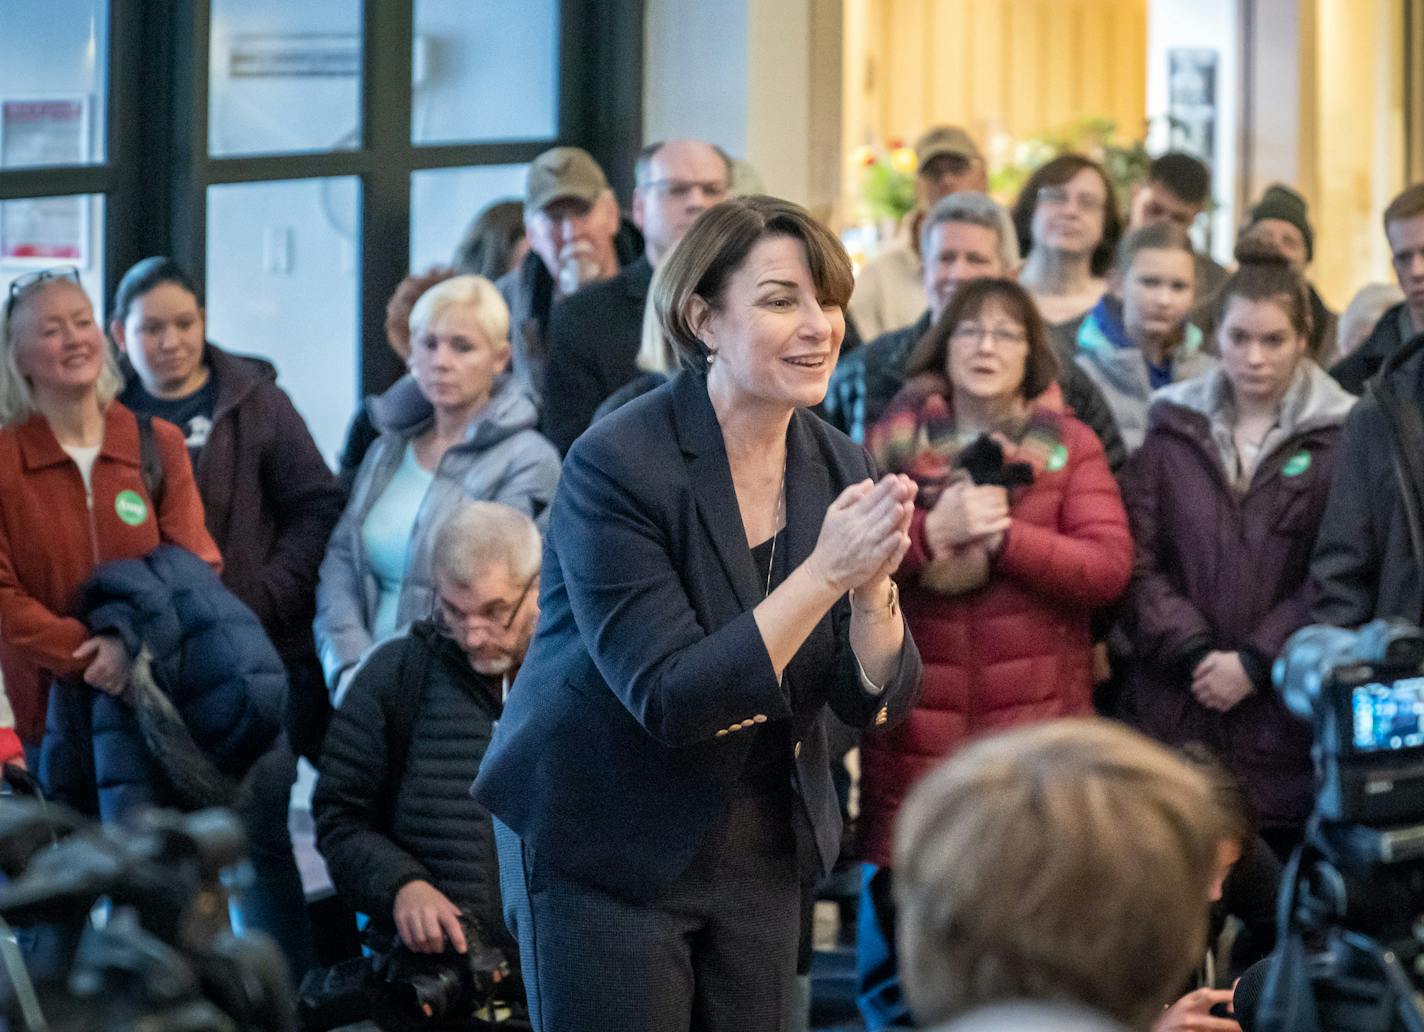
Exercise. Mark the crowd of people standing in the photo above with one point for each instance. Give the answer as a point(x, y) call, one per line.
point(574, 633)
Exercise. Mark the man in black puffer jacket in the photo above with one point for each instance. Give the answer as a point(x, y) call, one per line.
point(404, 841)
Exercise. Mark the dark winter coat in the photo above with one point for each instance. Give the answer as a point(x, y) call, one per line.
point(269, 499)
point(210, 657)
point(380, 828)
point(868, 378)
point(594, 338)
point(1369, 558)
point(1355, 369)
point(1221, 570)
point(1017, 650)
point(528, 290)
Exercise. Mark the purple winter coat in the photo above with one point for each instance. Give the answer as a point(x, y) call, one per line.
point(1221, 569)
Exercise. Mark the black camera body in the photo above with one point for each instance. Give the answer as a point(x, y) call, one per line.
point(1350, 946)
point(399, 989)
point(410, 990)
point(165, 961)
point(1364, 692)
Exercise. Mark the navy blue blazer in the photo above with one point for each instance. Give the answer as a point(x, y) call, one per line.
point(619, 743)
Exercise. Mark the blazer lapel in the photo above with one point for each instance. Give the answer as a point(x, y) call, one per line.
point(711, 477)
point(808, 490)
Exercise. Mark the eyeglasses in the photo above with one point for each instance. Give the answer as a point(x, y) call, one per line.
point(21, 284)
point(447, 618)
point(681, 189)
point(1059, 197)
point(1001, 336)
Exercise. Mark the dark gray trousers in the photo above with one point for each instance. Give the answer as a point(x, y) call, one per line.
point(714, 952)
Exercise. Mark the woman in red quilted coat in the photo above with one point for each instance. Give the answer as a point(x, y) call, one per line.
point(1019, 534)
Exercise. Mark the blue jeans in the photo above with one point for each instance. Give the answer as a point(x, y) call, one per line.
point(877, 971)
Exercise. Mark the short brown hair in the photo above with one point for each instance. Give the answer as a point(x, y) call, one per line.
point(1056, 173)
point(1263, 274)
point(714, 249)
point(1068, 861)
point(1160, 236)
point(1408, 205)
point(931, 354)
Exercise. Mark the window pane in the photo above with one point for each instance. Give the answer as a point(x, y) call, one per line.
point(486, 71)
point(444, 201)
point(282, 275)
point(284, 77)
point(52, 232)
point(53, 82)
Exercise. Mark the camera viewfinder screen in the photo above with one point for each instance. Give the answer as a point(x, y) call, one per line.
point(1388, 716)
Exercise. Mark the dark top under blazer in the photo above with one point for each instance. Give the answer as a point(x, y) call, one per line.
point(614, 755)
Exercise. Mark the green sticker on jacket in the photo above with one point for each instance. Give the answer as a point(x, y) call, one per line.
point(131, 508)
point(1057, 458)
point(1296, 464)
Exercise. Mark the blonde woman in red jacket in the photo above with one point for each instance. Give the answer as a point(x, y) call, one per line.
point(74, 497)
point(1018, 535)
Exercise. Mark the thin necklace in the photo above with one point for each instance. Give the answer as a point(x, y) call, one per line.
point(776, 528)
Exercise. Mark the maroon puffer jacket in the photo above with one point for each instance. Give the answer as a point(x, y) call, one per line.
point(1222, 570)
point(1019, 649)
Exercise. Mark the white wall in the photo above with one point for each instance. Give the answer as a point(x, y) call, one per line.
point(1213, 25)
point(746, 75)
point(695, 71)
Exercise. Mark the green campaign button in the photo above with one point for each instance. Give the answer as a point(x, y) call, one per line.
point(1296, 464)
point(1057, 458)
point(131, 508)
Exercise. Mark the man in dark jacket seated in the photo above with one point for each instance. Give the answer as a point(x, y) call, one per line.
point(966, 236)
point(404, 842)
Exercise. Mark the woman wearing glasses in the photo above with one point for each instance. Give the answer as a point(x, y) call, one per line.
point(1018, 535)
point(458, 431)
point(1068, 224)
point(77, 470)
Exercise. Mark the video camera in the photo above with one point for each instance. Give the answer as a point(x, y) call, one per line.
point(164, 961)
point(1350, 949)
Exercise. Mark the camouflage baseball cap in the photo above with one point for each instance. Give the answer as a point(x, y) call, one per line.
point(945, 139)
point(563, 172)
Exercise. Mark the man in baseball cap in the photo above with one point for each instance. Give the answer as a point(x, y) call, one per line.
point(571, 219)
point(889, 292)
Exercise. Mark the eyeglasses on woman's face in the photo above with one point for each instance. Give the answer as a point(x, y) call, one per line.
point(1062, 197)
point(1001, 335)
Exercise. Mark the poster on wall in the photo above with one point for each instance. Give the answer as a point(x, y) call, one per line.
point(35, 132)
point(1191, 100)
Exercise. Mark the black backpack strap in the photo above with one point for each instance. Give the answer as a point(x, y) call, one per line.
point(400, 703)
point(150, 463)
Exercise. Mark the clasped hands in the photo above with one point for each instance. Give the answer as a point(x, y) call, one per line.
point(865, 534)
point(968, 516)
point(1219, 681)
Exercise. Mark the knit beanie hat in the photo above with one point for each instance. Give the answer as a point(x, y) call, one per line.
point(1281, 202)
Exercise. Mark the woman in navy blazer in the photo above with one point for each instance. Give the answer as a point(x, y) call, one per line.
point(717, 573)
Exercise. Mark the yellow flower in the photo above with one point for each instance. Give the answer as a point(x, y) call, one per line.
point(903, 160)
point(863, 156)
